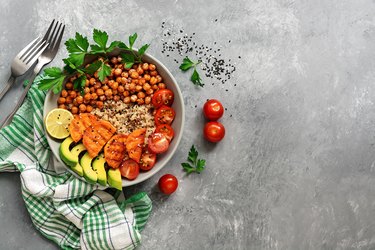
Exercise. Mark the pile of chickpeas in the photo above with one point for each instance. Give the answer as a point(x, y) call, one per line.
point(135, 85)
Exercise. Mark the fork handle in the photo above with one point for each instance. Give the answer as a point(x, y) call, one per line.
point(7, 86)
point(9, 118)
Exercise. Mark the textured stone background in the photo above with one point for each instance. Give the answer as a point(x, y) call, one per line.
point(296, 168)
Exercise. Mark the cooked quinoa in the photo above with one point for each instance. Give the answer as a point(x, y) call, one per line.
point(127, 117)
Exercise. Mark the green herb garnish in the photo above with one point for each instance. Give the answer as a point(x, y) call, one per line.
point(188, 64)
point(194, 164)
point(78, 48)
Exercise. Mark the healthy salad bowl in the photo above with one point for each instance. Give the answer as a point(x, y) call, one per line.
point(114, 116)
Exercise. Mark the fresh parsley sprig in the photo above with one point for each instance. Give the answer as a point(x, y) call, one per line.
point(194, 164)
point(188, 64)
point(78, 48)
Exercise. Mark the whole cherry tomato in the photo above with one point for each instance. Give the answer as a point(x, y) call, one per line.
point(168, 184)
point(213, 110)
point(214, 131)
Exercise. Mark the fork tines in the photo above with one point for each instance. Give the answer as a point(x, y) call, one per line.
point(54, 33)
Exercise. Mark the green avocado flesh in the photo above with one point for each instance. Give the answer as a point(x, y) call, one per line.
point(114, 178)
point(66, 155)
point(89, 174)
point(76, 151)
point(98, 166)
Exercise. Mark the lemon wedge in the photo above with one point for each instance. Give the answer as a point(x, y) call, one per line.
point(57, 123)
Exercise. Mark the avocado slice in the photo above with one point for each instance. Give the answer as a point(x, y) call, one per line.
point(89, 174)
point(65, 154)
point(76, 151)
point(114, 178)
point(98, 166)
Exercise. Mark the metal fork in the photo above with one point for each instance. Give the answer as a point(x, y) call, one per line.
point(23, 61)
point(53, 37)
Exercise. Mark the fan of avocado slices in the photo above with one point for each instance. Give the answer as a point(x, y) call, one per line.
point(92, 169)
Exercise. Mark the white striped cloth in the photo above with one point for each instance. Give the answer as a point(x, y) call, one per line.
point(66, 210)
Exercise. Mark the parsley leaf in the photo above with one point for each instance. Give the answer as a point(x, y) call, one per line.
point(113, 45)
point(195, 77)
point(54, 79)
point(77, 49)
point(195, 164)
point(186, 64)
point(104, 71)
point(80, 83)
point(93, 67)
point(143, 49)
point(101, 38)
point(132, 39)
point(128, 60)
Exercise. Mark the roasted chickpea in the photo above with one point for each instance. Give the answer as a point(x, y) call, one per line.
point(115, 85)
point(69, 85)
point(94, 96)
point(140, 71)
point(126, 93)
point(108, 92)
point(74, 110)
point(73, 94)
point(99, 92)
point(121, 89)
point(82, 108)
point(92, 89)
point(87, 97)
point(105, 87)
point(158, 78)
point(138, 88)
point(141, 95)
point(79, 99)
point(154, 73)
point(62, 106)
point(102, 98)
point(133, 98)
point(153, 80)
point(155, 87)
point(99, 104)
point(89, 108)
point(64, 93)
point(151, 66)
point(116, 98)
point(87, 83)
point(140, 101)
point(118, 79)
point(134, 75)
point(93, 102)
point(150, 91)
point(97, 85)
point(114, 60)
point(127, 99)
point(147, 100)
point(131, 86)
point(145, 66)
point(68, 100)
point(61, 100)
point(118, 72)
point(146, 86)
point(125, 74)
point(86, 90)
point(124, 80)
point(92, 81)
point(147, 77)
point(162, 85)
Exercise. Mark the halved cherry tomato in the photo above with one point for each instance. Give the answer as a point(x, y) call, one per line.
point(162, 97)
point(168, 184)
point(213, 110)
point(214, 131)
point(158, 143)
point(164, 115)
point(147, 161)
point(166, 130)
point(129, 169)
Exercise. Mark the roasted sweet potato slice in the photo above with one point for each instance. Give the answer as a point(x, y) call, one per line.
point(79, 124)
point(135, 143)
point(115, 150)
point(96, 136)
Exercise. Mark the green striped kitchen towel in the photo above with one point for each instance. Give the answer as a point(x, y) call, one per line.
point(66, 210)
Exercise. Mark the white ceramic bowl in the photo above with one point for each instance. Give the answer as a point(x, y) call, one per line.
point(178, 123)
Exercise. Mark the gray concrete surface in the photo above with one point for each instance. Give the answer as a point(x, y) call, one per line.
point(296, 168)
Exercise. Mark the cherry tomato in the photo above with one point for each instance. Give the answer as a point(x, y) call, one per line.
point(129, 169)
point(213, 110)
point(162, 97)
point(214, 131)
point(166, 130)
point(157, 143)
point(168, 184)
point(147, 161)
point(164, 115)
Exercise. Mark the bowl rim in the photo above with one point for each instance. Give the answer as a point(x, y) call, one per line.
point(126, 183)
